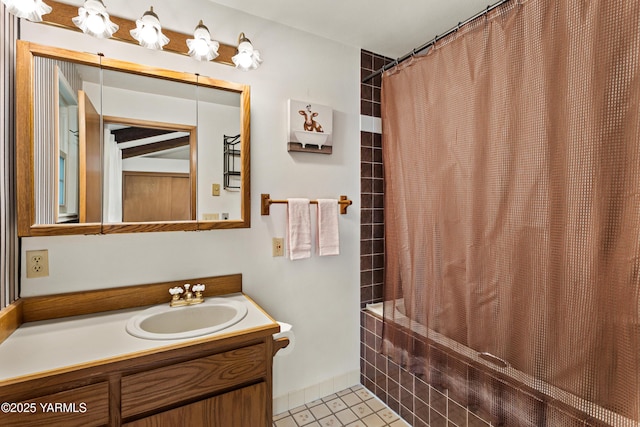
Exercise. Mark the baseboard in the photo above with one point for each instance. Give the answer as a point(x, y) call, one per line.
point(302, 397)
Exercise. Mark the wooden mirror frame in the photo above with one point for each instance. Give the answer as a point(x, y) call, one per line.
point(25, 55)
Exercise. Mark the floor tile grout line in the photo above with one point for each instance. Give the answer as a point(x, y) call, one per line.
point(362, 396)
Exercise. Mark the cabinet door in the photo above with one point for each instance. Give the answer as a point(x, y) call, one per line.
point(151, 196)
point(245, 407)
point(83, 407)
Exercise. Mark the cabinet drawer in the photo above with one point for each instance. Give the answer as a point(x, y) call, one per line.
point(246, 407)
point(158, 388)
point(83, 406)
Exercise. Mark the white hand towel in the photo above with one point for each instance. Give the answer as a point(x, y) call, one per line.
point(298, 229)
point(328, 233)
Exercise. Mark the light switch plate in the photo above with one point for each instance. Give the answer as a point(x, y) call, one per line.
point(215, 189)
point(277, 246)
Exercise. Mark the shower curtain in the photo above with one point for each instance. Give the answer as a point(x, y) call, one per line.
point(512, 196)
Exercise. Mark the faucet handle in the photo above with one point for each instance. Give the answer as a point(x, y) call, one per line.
point(176, 291)
point(198, 288)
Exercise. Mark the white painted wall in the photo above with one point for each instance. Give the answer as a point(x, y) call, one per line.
point(319, 296)
point(144, 106)
point(214, 122)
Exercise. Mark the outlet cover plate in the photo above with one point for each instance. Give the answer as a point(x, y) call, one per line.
point(37, 263)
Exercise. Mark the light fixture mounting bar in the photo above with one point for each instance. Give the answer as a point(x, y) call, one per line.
point(62, 15)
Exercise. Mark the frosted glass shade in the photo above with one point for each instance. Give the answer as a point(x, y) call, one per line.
point(148, 31)
point(28, 9)
point(201, 47)
point(94, 20)
point(247, 57)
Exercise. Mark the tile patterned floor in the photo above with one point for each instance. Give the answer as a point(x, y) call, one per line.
point(353, 407)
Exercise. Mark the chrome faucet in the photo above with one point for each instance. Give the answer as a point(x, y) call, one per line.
point(192, 295)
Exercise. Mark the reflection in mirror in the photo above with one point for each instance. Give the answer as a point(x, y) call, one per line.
point(147, 171)
point(218, 115)
point(149, 149)
point(66, 143)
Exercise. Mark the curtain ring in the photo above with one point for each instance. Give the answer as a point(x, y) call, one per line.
point(411, 60)
point(392, 67)
point(433, 42)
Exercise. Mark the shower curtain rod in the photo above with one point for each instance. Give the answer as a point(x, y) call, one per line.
point(432, 42)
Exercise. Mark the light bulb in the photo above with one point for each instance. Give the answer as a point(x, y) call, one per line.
point(95, 24)
point(149, 34)
point(244, 59)
point(200, 47)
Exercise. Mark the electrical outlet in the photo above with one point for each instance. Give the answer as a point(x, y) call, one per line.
point(37, 263)
point(210, 217)
point(277, 246)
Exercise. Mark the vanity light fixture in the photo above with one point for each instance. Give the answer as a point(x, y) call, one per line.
point(148, 31)
point(201, 47)
point(94, 20)
point(247, 57)
point(29, 9)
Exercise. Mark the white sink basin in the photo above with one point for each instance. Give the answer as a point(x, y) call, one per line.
point(167, 323)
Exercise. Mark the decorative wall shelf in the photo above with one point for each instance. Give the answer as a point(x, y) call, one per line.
point(231, 161)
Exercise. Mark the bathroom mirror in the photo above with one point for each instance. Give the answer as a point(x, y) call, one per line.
point(107, 146)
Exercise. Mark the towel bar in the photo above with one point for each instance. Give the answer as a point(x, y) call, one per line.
point(344, 203)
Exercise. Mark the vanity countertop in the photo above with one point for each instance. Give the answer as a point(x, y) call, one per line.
point(49, 346)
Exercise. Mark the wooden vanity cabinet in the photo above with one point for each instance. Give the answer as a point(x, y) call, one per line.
point(218, 384)
point(217, 381)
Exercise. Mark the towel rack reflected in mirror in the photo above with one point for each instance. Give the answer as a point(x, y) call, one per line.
point(266, 203)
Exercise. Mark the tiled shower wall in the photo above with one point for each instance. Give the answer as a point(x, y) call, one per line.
point(371, 187)
point(479, 398)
